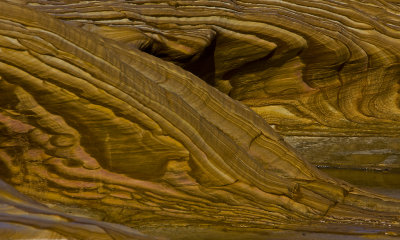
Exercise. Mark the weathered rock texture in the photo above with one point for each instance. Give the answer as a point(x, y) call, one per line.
point(22, 218)
point(310, 68)
point(99, 124)
point(373, 153)
point(307, 67)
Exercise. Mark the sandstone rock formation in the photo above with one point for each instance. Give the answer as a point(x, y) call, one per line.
point(22, 218)
point(308, 67)
point(321, 70)
point(97, 123)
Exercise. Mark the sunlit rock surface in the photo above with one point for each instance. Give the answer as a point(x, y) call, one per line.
point(307, 67)
point(310, 68)
point(91, 121)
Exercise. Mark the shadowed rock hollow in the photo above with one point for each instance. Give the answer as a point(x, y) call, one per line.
point(90, 120)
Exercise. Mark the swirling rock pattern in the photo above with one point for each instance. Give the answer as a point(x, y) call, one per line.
point(307, 67)
point(314, 69)
point(98, 123)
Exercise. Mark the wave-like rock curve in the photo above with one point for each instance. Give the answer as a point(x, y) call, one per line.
point(93, 122)
point(308, 67)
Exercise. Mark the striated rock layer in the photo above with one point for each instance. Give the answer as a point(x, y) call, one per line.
point(96, 123)
point(308, 67)
point(22, 218)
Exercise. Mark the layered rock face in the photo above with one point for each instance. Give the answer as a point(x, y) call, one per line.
point(310, 68)
point(90, 119)
point(23, 218)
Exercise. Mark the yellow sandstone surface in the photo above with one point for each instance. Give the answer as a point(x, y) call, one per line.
point(128, 110)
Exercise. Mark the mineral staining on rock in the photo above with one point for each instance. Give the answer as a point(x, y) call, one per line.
point(308, 67)
point(316, 69)
point(88, 119)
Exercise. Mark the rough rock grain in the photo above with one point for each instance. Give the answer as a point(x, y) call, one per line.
point(98, 123)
